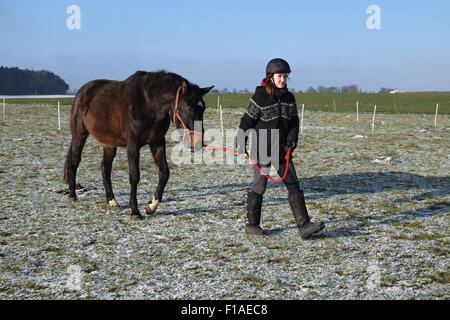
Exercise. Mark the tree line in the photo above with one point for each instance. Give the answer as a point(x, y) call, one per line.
point(348, 88)
point(17, 81)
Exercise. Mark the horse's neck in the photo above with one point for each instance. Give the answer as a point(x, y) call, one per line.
point(177, 94)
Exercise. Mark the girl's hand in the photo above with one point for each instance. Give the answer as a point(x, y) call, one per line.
point(290, 144)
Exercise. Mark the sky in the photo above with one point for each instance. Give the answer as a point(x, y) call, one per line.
point(228, 43)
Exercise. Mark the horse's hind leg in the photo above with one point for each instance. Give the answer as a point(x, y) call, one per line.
point(159, 155)
point(73, 161)
point(106, 166)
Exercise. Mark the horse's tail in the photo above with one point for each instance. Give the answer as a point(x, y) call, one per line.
point(68, 163)
point(78, 130)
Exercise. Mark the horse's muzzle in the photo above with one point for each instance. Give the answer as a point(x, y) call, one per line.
point(194, 140)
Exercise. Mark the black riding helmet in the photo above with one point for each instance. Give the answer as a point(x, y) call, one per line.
point(277, 65)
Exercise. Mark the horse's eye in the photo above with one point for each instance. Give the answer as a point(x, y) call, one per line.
point(201, 105)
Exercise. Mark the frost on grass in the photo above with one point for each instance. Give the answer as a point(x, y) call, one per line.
point(386, 235)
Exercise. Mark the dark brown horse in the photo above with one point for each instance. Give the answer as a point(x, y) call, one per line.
point(130, 114)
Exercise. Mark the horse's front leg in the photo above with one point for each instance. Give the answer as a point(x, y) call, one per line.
point(159, 155)
point(133, 167)
point(106, 166)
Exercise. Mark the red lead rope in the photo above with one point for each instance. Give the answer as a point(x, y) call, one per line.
point(177, 115)
point(254, 163)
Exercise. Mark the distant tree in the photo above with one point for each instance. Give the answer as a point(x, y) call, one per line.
point(311, 89)
point(18, 81)
point(351, 88)
point(215, 91)
point(327, 89)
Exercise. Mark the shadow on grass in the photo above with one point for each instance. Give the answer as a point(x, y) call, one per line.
point(374, 182)
point(356, 225)
point(328, 186)
point(323, 187)
point(347, 183)
point(319, 188)
point(370, 221)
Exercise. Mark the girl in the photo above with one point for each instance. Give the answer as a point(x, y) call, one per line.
point(273, 107)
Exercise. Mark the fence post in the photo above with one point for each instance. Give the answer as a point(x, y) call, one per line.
point(221, 120)
point(357, 111)
point(301, 123)
point(373, 120)
point(435, 117)
point(59, 118)
point(218, 101)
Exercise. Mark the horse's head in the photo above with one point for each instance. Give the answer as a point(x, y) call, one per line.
point(188, 113)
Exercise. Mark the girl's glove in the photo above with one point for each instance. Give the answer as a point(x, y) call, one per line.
point(290, 144)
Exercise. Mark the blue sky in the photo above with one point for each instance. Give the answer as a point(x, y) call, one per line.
point(228, 43)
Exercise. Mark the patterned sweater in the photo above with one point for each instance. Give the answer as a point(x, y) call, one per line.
point(278, 112)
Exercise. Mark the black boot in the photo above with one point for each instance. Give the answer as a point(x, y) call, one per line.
point(254, 203)
point(305, 227)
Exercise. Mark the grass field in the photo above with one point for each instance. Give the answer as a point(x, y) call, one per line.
point(387, 231)
point(411, 102)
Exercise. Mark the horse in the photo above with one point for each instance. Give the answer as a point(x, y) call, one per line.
point(130, 114)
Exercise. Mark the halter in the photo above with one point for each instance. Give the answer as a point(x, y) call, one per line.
point(177, 115)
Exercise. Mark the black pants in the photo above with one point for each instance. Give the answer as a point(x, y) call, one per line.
point(290, 181)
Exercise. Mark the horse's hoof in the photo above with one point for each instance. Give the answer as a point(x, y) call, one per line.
point(150, 208)
point(113, 205)
point(72, 198)
point(136, 217)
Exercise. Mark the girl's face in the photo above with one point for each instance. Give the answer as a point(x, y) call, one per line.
point(280, 79)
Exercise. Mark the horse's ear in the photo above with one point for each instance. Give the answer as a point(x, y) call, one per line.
point(206, 90)
point(184, 87)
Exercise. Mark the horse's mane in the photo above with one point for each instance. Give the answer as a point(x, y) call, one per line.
point(157, 82)
point(157, 76)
